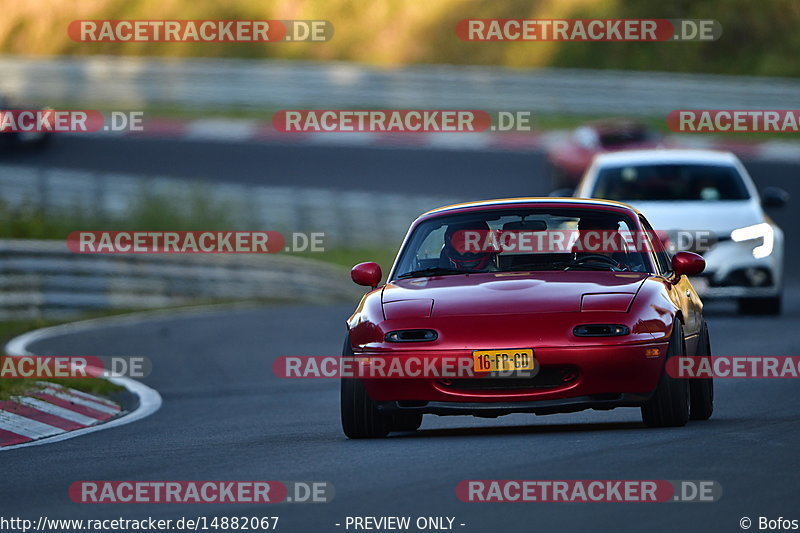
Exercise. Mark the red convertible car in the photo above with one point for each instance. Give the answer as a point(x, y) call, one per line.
point(538, 329)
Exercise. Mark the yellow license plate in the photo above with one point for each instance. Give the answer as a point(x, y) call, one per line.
point(502, 360)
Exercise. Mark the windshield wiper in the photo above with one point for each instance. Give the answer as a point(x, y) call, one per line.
point(592, 266)
point(433, 271)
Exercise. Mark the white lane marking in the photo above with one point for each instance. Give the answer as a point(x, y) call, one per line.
point(345, 138)
point(222, 130)
point(60, 412)
point(459, 140)
point(26, 427)
point(80, 401)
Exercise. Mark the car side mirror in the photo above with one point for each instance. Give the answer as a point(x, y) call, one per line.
point(367, 274)
point(687, 263)
point(772, 197)
point(562, 193)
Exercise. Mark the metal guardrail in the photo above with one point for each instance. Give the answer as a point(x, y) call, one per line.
point(353, 218)
point(242, 84)
point(45, 279)
point(42, 278)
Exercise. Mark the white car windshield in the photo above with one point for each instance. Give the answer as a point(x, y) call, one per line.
point(670, 182)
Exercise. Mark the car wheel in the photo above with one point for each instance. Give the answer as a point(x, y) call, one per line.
point(760, 306)
point(669, 406)
point(701, 391)
point(360, 416)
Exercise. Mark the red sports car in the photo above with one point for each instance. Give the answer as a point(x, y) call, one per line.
point(547, 328)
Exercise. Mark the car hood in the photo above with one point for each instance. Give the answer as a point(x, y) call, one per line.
point(720, 217)
point(503, 293)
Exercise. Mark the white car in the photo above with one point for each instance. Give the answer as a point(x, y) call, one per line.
point(707, 203)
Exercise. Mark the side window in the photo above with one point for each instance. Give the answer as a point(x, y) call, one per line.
point(431, 247)
point(632, 258)
point(430, 250)
point(660, 253)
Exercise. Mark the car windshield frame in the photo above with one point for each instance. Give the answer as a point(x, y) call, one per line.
point(496, 212)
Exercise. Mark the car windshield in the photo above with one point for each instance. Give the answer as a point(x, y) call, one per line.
point(515, 240)
point(670, 182)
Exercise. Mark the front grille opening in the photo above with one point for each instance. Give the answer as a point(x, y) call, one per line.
point(549, 377)
point(748, 277)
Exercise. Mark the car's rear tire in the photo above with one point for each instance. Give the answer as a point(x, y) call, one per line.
point(760, 306)
point(361, 418)
point(701, 391)
point(669, 405)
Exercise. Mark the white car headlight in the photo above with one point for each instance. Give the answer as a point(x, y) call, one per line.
point(761, 231)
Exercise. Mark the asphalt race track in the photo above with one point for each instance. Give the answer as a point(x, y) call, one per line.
point(226, 416)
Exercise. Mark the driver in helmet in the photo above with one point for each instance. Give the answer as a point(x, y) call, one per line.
point(600, 236)
point(456, 255)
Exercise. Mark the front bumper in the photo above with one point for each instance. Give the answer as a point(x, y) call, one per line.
point(571, 378)
point(600, 402)
point(732, 272)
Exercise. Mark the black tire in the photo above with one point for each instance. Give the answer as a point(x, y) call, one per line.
point(360, 416)
point(701, 391)
point(760, 306)
point(669, 406)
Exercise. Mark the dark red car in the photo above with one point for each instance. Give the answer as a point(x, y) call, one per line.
point(542, 332)
point(570, 159)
